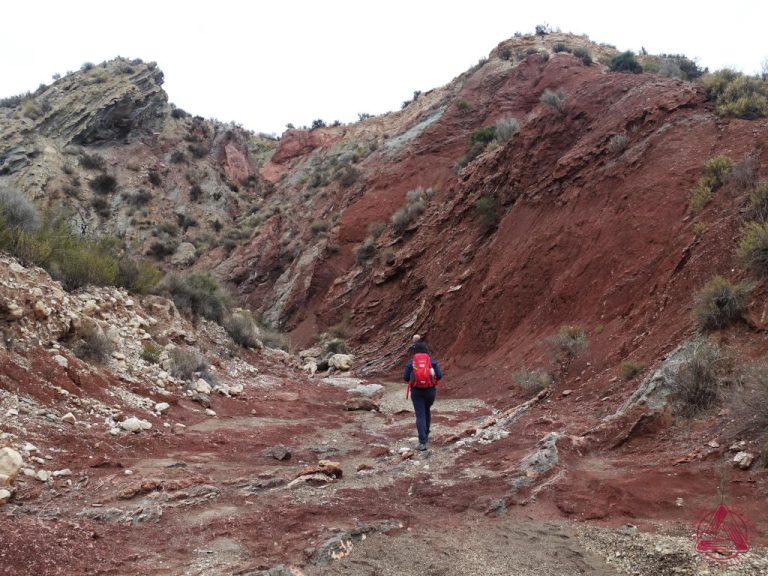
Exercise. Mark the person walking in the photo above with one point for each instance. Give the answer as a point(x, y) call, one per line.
point(422, 374)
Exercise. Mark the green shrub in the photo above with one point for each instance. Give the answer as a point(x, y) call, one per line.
point(532, 381)
point(199, 295)
point(584, 55)
point(335, 346)
point(347, 175)
point(154, 178)
point(506, 128)
point(758, 200)
point(560, 47)
point(630, 369)
point(365, 251)
point(140, 198)
point(682, 65)
point(483, 135)
point(17, 212)
point(103, 184)
point(31, 109)
point(77, 261)
point(737, 95)
point(150, 352)
point(716, 172)
point(162, 248)
point(462, 105)
point(753, 247)
point(720, 303)
point(625, 62)
point(698, 381)
point(415, 204)
point(485, 211)
point(198, 150)
point(554, 100)
point(243, 329)
point(137, 276)
point(178, 157)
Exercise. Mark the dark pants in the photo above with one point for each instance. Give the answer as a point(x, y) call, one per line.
point(422, 399)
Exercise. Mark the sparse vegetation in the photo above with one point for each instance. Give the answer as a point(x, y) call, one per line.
point(318, 227)
point(462, 105)
point(698, 381)
point(415, 204)
point(17, 212)
point(749, 402)
point(154, 177)
point(742, 173)
point(506, 128)
point(150, 352)
point(187, 364)
point(568, 343)
point(630, 369)
point(625, 62)
point(335, 346)
point(716, 172)
point(720, 303)
point(532, 381)
point(737, 95)
point(758, 201)
point(138, 276)
point(365, 251)
point(198, 150)
point(555, 100)
point(198, 294)
point(178, 157)
point(91, 161)
point(485, 211)
point(243, 328)
point(93, 345)
point(478, 142)
point(753, 247)
point(680, 66)
point(618, 143)
point(103, 184)
point(584, 55)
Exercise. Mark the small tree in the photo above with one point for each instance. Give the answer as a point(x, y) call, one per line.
point(720, 302)
point(625, 62)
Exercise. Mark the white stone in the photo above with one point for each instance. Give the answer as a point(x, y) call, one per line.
point(163, 375)
point(28, 447)
point(236, 389)
point(5, 495)
point(69, 418)
point(61, 361)
point(133, 424)
point(161, 407)
point(10, 463)
point(128, 472)
point(28, 472)
point(114, 431)
point(12, 412)
point(743, 460)
point(340, 361)
point(202, 386)
point(62, 472)
point(128, 303)
point(43, 475)
point(118, 355)
point(210, 412)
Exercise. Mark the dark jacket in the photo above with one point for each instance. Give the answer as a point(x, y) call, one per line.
point(409, 370)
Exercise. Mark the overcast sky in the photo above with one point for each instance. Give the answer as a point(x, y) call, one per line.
point(265, 64)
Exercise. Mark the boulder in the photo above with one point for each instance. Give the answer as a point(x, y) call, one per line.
point(361, 403)
point(202, 387)
point(341, 362)
point(368, 390)
point(278, 452)
point(744, 460)
point(5, 495)
point(69, 418)
point(135, 425)
point(161, 407)
point(10, 464)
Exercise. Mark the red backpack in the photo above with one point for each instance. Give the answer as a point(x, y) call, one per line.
point(423, 375)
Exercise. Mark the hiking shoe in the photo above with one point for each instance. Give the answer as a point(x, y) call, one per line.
point(421, 446)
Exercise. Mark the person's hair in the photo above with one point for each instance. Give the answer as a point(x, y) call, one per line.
point(419, 347)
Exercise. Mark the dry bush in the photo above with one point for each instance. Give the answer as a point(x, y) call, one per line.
point(758, 202)
point(749, 401)
point(753, 247)
point(532, 381)
point(720, 303)
point(243, 329)
point(555, 100)
point(187, 364)
point(743, 173)
point(93, 345)
point(698, 382)
point(150, 352)
point(630, 369)
point(506, 128)
point(618, 143)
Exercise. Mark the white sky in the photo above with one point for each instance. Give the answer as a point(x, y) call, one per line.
point(264, 64)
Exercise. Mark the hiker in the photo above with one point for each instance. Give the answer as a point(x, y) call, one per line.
point(422, 374)
point(416, 338)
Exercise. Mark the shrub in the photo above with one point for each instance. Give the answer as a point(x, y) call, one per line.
point(630, 369)
point(318, 123)
point(584, 55)
point(76, 261)
point(318, 227)
point(186, 364)
point(753, 247)
point(375, 229)
point(719, 303)
point(532, 381)
point(483, 135)
point(199, 295)
point(758, 200)
point(347, 175)
point(554, 100)
point(178, 113)
point(749, 402)
point(742, 173)
point(162, 248)
point(485, 211)
point(415, 204)
point(31, 109)
point(93, 345)
point(101, 206)
point(737, 95)
point(17, 212)
point(625, 62)
point(273, 339)
point(365, 251)
point(682, 67)
point(560, 47)
point(198, 150)
point(335, 346)
point(697, 385)
point(506, 128)
point(178, 157)
point(243, 329)
point(137, 276)
point(154, 178)
point(150, 352)
point(91, 161)
point(569, 341)
point(716, 172)
point(14, 101)
point(103, 184)
point(140, 198)
point(618, 143)
point(462, 105)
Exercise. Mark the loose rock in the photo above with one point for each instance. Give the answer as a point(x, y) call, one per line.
point(135, 425)
point(10, 463)
point(69, 418)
